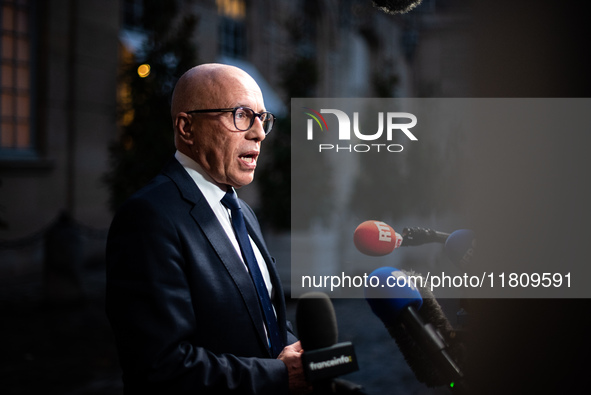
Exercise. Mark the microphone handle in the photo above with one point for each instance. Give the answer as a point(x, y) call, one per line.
point(432, 343)
point(440, 236)
point(418, 236)
point(322, 387)
point(345, 387)
point(337, 387)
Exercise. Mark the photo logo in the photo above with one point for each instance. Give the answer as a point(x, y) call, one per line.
point(392, 121)
point(315, 117)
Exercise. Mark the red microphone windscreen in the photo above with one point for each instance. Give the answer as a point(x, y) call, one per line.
point(376, 238)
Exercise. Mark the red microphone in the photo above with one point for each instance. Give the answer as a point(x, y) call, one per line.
point(376, 238)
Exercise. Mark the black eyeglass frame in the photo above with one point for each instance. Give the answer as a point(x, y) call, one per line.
point(233, 111)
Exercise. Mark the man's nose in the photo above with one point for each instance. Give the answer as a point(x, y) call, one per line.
point(256, 131)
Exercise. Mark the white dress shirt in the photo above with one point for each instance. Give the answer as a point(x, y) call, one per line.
point(214, 194)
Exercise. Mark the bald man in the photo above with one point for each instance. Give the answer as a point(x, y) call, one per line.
point(180, 298)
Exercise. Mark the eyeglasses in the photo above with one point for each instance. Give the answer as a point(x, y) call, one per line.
point(244, 117)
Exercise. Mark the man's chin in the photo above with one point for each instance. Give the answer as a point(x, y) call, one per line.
point(242, 181)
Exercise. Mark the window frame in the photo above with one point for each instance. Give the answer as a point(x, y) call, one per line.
point(32, 34)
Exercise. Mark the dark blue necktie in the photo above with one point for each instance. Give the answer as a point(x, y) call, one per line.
point(231, 201)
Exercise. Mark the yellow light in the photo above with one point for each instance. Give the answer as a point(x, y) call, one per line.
point(144, 70)
point(235, 9)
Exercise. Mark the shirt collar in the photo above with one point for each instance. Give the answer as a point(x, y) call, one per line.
point(212, 192)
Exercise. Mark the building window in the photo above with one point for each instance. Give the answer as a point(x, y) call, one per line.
point(232, 27)
point(16, 134)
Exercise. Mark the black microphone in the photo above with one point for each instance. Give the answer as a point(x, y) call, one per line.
point(419, 327)
point(396, 6)
point(418, 236)
point(323, 358)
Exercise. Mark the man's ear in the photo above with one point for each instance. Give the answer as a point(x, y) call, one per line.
point(182, 124)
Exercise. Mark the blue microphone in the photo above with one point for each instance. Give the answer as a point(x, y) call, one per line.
point(396, 300)
point(460, 246)
point(387, 300)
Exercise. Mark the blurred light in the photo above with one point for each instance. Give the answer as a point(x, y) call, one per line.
point(144, 70)
point(127, 143)
point(127, 117)
point(235, 9)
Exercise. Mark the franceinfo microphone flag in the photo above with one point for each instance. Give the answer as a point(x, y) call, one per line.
point(323, 358)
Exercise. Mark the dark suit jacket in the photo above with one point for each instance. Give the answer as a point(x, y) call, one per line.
point(182, 306)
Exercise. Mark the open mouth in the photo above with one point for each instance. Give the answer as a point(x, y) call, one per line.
point(249, 158)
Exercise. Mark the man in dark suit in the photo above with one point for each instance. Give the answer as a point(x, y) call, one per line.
point(185, 313)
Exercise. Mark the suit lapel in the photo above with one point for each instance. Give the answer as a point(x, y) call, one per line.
point(210, 226)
